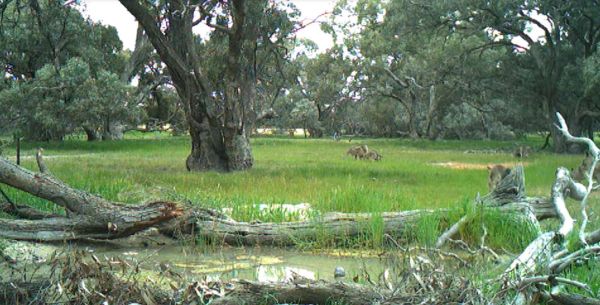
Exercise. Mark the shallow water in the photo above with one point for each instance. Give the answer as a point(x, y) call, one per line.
point(258, 264)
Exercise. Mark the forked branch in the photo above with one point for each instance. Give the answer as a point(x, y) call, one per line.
point(595, 153)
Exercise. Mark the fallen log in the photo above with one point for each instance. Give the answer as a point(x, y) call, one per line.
point(547, 253)
point(308, 292)
point(573, 299)
point(340, 225)
point(88, 215)
point(24, 211)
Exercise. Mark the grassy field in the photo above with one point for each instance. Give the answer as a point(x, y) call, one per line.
point(412, 175)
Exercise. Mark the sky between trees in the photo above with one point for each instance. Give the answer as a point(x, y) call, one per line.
point(111, 12)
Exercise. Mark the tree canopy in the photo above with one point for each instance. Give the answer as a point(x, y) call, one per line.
point(467, 69)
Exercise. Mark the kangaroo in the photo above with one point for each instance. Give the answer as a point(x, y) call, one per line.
point(358, 152)
point(522, 151)
point(373, 155)
point(497, 173)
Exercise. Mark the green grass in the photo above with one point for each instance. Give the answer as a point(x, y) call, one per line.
point(145, 167)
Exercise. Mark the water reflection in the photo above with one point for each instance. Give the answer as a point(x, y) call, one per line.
point(257, 264)
point(279, 273)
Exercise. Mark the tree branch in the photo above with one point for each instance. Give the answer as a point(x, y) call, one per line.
point(395, 78)
point(547, 31)
point(157, 38)
point(595, 153)
point(40, 162)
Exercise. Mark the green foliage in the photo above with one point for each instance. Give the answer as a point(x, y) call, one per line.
point(425, 231)
point(499, 230)
point(62, 72)
point(586, 272)
point(411, 68)
point(56, 103)
point(549, 45)
point(3, 245)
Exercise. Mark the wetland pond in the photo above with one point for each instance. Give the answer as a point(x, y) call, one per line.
point(263, 264)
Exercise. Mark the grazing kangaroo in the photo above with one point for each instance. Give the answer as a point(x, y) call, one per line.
point(522, 151)
point(373, 155)
point(497, 173)
point(358, 152)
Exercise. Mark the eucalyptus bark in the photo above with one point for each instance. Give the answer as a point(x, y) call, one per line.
point(217, 117)
point(88, 215)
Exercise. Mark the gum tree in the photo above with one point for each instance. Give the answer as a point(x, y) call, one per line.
point(48, 51)
point(218, 114)
point(552, 45)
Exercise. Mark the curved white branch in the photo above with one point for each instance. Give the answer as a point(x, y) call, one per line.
point(595, 153)
point(560, 187)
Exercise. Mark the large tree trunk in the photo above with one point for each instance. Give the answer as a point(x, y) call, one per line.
point(413, 124)
point(112, 130)
point(217, 117)
point(92, 134)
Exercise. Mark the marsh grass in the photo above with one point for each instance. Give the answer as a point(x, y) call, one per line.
point(294, 170)
point(501, 232)
point(586, 272)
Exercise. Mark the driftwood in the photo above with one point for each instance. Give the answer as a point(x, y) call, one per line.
point(546, 255)
point(87, 279)
point(88, 216)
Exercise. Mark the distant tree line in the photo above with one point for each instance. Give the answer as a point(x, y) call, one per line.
point(466, 69)
point(452, 69)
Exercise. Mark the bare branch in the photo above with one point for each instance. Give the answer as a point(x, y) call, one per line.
point(547, 31)
point(312, 21)
point(595, 153)
point(207, 17)
point(553, 281)
point(400, 82)
point(560, 264)
point(450, 232)
point(40, 162)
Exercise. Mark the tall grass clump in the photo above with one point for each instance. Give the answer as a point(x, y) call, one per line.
point(588, 272)
point(501, 230)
